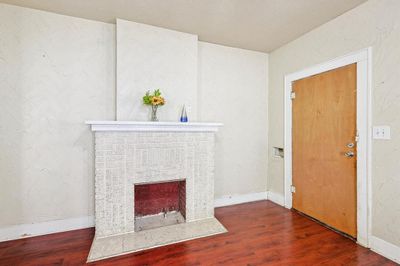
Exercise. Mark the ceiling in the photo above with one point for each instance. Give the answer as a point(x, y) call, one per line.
point(261, 25)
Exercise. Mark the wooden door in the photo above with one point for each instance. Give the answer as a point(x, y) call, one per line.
point(323, 131)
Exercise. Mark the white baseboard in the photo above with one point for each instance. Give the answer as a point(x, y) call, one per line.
point(237, 199)
point(385, 249)
point(276, 198)
point(44, 228)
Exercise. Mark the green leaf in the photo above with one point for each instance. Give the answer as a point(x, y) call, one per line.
point(157, 92)
point(147, 98)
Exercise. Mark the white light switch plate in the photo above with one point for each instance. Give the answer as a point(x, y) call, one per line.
point(381, 132)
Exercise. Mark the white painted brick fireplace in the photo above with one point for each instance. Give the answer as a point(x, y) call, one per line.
point(131, 153)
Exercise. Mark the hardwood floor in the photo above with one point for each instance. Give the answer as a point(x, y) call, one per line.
point(260, 233)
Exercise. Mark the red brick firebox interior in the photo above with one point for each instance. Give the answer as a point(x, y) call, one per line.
point(160, 197)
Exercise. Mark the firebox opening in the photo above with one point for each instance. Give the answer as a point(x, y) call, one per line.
point(159, 204)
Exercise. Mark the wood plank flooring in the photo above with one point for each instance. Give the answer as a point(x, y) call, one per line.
point(260, 233)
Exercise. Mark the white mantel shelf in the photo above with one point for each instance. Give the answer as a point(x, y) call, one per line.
point(153, 126)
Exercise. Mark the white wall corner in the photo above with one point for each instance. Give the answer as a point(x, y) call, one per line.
point(44, 228)
point(276, 198)
point(385, 248)
point(238, 199)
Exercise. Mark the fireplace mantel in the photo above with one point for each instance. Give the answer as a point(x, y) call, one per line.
point(142, 126)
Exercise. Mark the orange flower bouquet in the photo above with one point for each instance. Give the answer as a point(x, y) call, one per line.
point(154, 100)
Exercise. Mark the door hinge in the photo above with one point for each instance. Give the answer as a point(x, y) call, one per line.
point(293, 189)
point(292, 95)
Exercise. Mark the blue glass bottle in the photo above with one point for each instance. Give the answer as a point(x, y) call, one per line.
point(184, 117)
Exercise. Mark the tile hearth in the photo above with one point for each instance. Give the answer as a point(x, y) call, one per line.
point(154, 185)
point(117, 245)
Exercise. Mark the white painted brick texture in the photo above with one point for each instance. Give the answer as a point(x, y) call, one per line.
point(124, 159)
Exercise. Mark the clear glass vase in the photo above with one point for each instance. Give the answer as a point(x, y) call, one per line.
point(154, 113)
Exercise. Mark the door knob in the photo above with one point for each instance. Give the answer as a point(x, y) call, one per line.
point(349, 154)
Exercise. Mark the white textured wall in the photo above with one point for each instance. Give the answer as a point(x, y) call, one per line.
point(58, 71)
point(377, 24)
point(55, 73)
point(149, 58)
point(233, 90)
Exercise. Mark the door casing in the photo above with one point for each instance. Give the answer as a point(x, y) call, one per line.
point(363, 59)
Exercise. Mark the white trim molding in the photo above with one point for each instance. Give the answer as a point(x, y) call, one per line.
point(385, 249)
point(276, 198)
point(44, 228)
point(153, 126)
point(37, 229)
point(238, 199)
point(363, 59)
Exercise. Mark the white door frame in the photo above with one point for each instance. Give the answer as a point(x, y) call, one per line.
point(363, 59)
